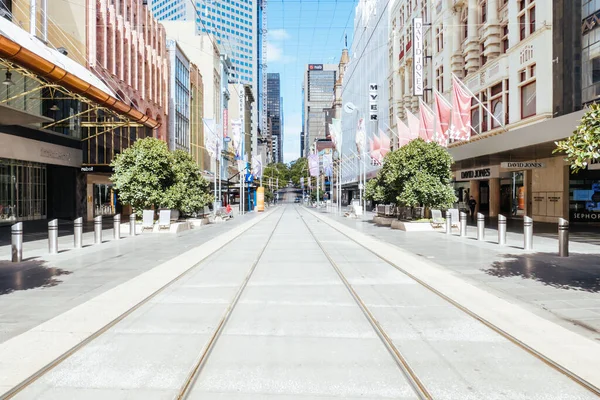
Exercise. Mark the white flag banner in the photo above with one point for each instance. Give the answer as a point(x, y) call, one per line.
point(236, 136)
point(211, 137)
point(257, 169)
point(361, 137)
point(336, 124)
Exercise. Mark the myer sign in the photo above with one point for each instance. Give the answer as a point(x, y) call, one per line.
point(418, 56)
point(373, 101)
point(522, 165)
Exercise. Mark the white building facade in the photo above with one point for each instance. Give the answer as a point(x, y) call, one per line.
point(519, 59)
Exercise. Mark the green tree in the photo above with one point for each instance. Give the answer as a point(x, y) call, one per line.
point(417, 174)
point(298, 168)
point(584, 144)
point(190, 192)
point(143, 174)
point(274, 171)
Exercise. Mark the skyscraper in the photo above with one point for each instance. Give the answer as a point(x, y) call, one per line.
point(233, 23)
point(318, 89)
point(274, 114)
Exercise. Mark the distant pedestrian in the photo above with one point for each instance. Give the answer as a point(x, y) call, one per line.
point(472, 205)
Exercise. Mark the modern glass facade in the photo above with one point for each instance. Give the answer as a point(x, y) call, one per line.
point(274, 114)
point(170, 10)
point(22, 191)
point(104, 136)
point(591, 51)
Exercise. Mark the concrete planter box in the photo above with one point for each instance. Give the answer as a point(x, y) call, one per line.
point(176, 227)
point(412, 226)
point(383, 221)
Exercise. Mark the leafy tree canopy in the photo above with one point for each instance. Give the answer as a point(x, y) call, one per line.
point(417, 174)
point(584, 144)
point(276, 170)
point(298, 169)
point(147, 175)
point(143, 173)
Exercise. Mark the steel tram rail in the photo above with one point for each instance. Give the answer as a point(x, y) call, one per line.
point(549, 362)
point(188, 384)
point(33, 378)
point(412, 378)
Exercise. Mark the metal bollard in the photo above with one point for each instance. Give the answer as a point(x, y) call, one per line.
point(117, 226)
point(480, 226)
point(463, 224)
point(78, 233)
point(563, 237)
point(98, 229)
point(448, 223)
point(53, 236)
point(528, 233)
point(501, 230)
point(132, 224)
point(16, 238)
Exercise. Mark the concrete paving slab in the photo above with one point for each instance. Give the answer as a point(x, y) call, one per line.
point(296, 366)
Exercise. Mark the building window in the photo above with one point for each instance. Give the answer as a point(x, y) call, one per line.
point(439, 80)
point(482, 56)
point(439, 38)
point(504, 45)
point(528, 91)
point(528, 98)
point(484, 12)
point(526, 18)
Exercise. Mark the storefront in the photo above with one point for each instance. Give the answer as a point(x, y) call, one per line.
point(22, 191)
point(102, 196)
point(584, 196)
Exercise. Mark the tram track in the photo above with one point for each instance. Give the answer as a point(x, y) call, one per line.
point(413, 380)
point(417, 383)
point(196, 370)
point(57, 361)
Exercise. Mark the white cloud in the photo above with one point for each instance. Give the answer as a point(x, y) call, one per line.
point(278, 34)
point(275, 54)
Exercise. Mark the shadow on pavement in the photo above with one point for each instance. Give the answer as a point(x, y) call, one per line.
point(577, 272)
point(28, 274)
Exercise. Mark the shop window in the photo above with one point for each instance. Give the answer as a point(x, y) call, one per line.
point(528, 100)
point(105, 200)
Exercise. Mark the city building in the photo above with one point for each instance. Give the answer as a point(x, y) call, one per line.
point(197, 149)
point(179, 98)
point(233, 25)
point(521, 60)
point(364, 84)
point(52, 107)
point(275, 114)
point(318, 92)
point(126, 49)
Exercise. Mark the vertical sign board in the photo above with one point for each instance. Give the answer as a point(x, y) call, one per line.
point(418, 57)
point(373, 97)
point(260, 199)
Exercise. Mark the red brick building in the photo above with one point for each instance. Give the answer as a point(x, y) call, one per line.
point(126, 48)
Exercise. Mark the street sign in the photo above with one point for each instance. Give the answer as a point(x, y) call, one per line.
point(249, 178)
point(227, 139)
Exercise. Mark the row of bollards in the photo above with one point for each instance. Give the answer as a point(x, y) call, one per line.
point(17, 234)
point(563, 231)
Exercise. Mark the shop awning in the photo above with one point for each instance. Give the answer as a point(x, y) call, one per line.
point(12, 116)
point(25, 50)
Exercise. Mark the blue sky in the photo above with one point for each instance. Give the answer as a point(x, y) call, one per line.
point(304, 32)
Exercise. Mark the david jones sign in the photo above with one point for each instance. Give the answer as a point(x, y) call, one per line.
point(522, 165)
point(476, 174)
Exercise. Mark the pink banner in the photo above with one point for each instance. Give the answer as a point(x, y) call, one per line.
point(443, 112)
point(313, 164)
point(385, 144)
point(461, 112)
point(413, 124)
point(426, 122)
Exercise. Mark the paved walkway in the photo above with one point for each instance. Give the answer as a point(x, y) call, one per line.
point(563, 290)
point(297, 333)
point(44, 286)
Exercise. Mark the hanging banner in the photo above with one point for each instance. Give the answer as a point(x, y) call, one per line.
point(225, 123)
point(361, 136)
point(257, 166)
point(236, 136)
point(417, 56)
point(328, 164)
point(210, 137)
point(302, 182)
point(313, 164)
